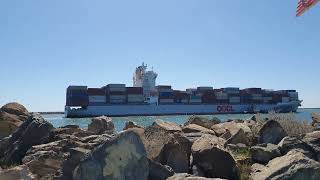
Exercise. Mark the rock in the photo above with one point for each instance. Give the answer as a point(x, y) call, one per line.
point(19, 172)
point(234, 132)
point(123, 157)
point(237, 147)
point(212, 159)
point(45, 160)
point(35, 130)
point(184, 176)
point(173, 155)
point(130, 124)
point(192, 137)
point(4, 143)
point(192, 128)
point(294, 165)
point(289, 143)
point(12, 116)
point(158, 171)
point(76, 155)
point(313, 140)
point(202, 121)
point(168, 126)
point(58, 159)
point(15, 108)
point(102, 125)
point(271, 132)
point(264, 153)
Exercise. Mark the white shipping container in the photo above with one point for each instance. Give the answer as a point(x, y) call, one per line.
point(135, 99)
point(114, 101)
point(97, 99)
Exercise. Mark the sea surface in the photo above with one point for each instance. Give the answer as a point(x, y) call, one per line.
point(58, 120)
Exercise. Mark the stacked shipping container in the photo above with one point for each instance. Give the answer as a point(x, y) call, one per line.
point(97, 96)
point(77, 96)
point(165, 95)
point(120, 94)
point(135, 95)
point(116, 93)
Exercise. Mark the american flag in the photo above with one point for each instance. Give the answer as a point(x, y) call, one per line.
point(304, 5)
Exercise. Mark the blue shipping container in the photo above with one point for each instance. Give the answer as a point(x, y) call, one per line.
point(165, 94)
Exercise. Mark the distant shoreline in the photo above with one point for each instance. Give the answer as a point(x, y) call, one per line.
point(51, 112)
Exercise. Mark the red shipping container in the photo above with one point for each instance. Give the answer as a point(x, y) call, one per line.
point(96, 92)
point(134, 90)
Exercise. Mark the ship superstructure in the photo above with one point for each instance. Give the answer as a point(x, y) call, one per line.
point(146, 98)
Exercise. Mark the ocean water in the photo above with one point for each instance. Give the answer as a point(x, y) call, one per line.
point(58, 120)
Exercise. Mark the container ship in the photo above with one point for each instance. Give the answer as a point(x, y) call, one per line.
point(145, 98)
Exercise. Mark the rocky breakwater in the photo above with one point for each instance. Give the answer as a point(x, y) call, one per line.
point(199, 149)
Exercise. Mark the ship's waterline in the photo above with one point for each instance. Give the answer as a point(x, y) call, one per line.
point(59, 120)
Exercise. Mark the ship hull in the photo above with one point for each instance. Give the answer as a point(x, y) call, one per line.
point(174, 109)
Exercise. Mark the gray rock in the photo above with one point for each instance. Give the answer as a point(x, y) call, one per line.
point(264, 153)
point(122, 158)
point(212, 159)
point(271, 132)
point(167, 126)
point(237, 147)
point(184, 176)
point(102, 125)
point(158, 171)
point(19, 172)
point(194, 128)
point(202, 121)
point(173, 155)
point(234, 132)
point(289, 143)
point(294, 165)
point(313, 140)
point(35, 130)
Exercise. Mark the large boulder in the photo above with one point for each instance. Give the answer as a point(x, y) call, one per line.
point(59, 158)
point(173, 155)
point(166, 148)
point(35, 130)
point(167, 126)
point(123, 157)
point(12, 116)
point(263, 153)
point(271, 132)
point(289, 143)
point(158, 171)
point(234, 132)
point(210, 156)
point(194, 128)
point(202, 121)
point(19, 172)
point(294, 165)
point(102, 125)
point(313, 140)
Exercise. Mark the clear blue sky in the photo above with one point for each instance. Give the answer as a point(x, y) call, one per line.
point(47, 45)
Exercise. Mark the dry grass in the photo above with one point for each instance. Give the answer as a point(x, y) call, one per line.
point(288, 121)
